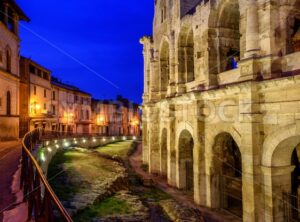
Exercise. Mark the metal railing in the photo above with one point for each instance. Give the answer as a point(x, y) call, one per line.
point(43, 204)
point(41, 199)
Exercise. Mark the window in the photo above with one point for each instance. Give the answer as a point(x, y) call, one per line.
point(8, 103)
point(8, 61)
point(34, 90)
point(45, 93)
point(87, 115)
point(53, 95)
point(45, 106)
point(81, 116)
point(32, 69)
point(53, 109)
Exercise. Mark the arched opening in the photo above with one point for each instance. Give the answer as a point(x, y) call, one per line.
point(186, 162)
point(186, 71)
point(164, 68)
point(164, 153)
point(8, 103)
point(229, 36)
point(8, 60)
point(286, 180)
point(293, 29)
point(227, 175)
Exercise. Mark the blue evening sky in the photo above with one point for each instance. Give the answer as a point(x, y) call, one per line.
point(77, 38)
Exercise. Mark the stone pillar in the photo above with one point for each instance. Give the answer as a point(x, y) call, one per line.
point(171, 152)
point(153, 127)
point(276, 180)
point(252, 30)
point(249, 120)
point(154, 80)
point(172, 69)
point(199, 160)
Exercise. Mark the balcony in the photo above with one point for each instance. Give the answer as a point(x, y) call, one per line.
point(228, 77)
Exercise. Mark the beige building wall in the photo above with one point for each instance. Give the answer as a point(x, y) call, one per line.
point(225, 134)
point(9, 70)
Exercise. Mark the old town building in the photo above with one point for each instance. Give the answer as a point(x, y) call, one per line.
point(36, 107)
point(221, 104)
point(74, 108)
point(116, 117)
point(9, 68)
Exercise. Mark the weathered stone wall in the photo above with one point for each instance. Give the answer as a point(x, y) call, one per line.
point(256, 103)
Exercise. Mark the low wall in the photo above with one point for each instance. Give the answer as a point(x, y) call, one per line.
point(48, 148)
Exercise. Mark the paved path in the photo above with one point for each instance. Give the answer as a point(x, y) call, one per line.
point(208, 214)
point(10, 153)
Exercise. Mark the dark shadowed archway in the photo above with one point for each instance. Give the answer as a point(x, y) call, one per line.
point(186, 161)
point(227, 175)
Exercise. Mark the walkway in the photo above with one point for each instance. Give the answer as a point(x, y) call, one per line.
point(208, 214)
point(10, 153)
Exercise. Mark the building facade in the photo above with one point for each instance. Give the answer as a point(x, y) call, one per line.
point(74, 108)
point(36, 98)
point(116, 117)
point(221, 104)
point(9, 68)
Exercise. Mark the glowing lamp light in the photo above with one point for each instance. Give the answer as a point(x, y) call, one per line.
point(42, 157)
point(47, 143)
point(57, 146)
point(49, 149)
point(94, 140)
point(38, 106)
point(84, 140)
point(75, 142)
point(55, 141)
point(124, 138)
point(134, 138)
point(113, 138)
point(66, 144)
point(103, 139)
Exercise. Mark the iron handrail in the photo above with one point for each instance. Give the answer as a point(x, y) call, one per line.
point(40, 207)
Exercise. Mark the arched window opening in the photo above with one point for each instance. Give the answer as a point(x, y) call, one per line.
point(186, 162)
point(164, 68)
point(8, 60)
point(229, 36)
point(295, 36)
point(228, 175)
point(186, 57)
point(8, 103)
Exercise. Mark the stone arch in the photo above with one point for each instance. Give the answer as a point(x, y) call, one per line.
point(164, 152)
point(164, 64)
point(186, 72)
point(229, 35)
point(186, 161)
point(281, 167)
point(226, 174)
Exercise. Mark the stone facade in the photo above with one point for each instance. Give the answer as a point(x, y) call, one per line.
point(36, 98)
point(221, 104)
point(9, 69)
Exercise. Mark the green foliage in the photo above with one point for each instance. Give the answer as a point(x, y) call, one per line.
point(119, 149)
point(155, 194)
point(109, 207)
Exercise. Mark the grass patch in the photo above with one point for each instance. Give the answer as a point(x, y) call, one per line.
point(119, 149)
point(155, 194)
point(109, 207)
